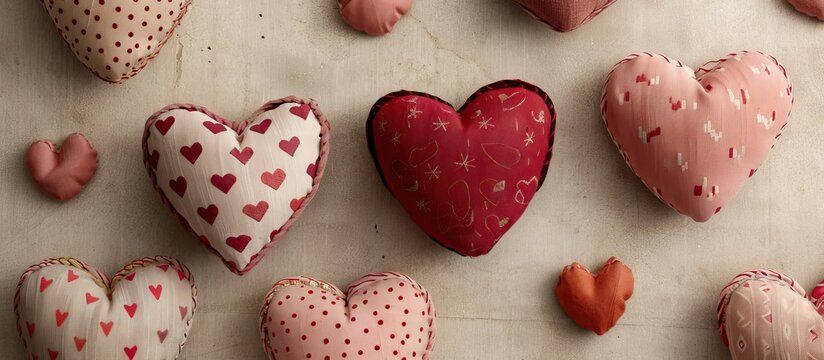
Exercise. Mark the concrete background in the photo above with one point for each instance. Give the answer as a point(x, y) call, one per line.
point(232, 56)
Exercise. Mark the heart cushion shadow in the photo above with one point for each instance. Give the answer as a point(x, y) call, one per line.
point(695, 137)
point(565, 15)
point(66, 309)
point(764, 314)
point(237, 186)
point(464, 177)
point(381, 316)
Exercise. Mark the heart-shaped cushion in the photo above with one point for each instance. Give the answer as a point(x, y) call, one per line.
point(66, 309)
point(764, 314)
point(810, 7)
point(695, 137)
point(115, 39)
point(373, 17)
point(595, 301)
point(380, 316)
point(238, 186)
point(62, 172)
point(465, 177)
point(565, 15)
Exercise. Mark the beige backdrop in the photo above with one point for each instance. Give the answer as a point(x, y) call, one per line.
point(232, 56)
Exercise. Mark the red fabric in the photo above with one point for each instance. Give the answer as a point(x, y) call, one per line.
point(595, 301)
point(464, 177)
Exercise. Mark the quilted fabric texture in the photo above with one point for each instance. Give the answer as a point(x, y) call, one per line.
point(237, 186)
point(381, 316)
point(373, 17)
point(115, 39)
point(764, 314)
point(695, 137)
point(810, 7)
point(62, 172)
point(595, 301)
point(464, 177)
point(565, 15)
point(66, 309)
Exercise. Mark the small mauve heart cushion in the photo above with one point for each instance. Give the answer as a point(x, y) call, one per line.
point(374, 17)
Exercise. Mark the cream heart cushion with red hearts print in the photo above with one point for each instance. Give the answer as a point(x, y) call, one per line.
point(66, 309)
point(381, 316)
point(764, 314)
point(238, 186)
point(694, 138)
point(115, 39)
point(565, 15)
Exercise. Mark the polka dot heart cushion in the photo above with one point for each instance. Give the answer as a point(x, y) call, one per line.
point(465, 177)
point(66, 309)
point(810, 7)
point(237, 186)
point(115, 39)
point(381, 316)
point(695, 137)
point(565, 15)
point(764, 314)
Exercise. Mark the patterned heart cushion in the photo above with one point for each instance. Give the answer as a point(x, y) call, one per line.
point(380, 316)
point(62, 172)
point(115, 39)
point(695, 137)
point(565, 15)
point(810, 7)
point(464, 177)
point(764, 314)
point(595, 301)
point(66, 309)
point(238, 186)
point(373, 17)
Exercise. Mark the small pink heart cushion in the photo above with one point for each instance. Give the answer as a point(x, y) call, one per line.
point(238, 186)
point(62, 172)
point(465, 177)
point(373, 17)
point(695, 137)
point(565, 15)
point(810, 7)
point(764, 314)
point(380, 316)
point(66, 309)
point(115, 39)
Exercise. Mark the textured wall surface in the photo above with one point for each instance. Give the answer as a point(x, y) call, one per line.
point(232, 56)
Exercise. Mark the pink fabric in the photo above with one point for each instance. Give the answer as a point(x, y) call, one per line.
point(66, 309)
point(810, 7)
point(238, 186)
point(115, 39)
point(565, 15)
point(464, 177)
point(62, 172)
point(374, 17)
point(381, 316)
point(694, 138)
point(764, 314)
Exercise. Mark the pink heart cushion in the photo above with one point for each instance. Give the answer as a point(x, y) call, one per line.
point(373, 17)
point(565, 15)
point(115, 39)
point(62, 172)
point(764, 314)
point(66, 309)
point(810, 7)
point(694, 138)
point(380, 316)
point(238, 186)
point(465, 177)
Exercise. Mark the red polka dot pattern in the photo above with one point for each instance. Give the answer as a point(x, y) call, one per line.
point(381, 316)
point(115, 39)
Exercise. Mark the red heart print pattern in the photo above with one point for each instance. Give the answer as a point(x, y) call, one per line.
point(62, 172)
point(381, 316)
point(95, 328)
point(246, 183)
point(454, 172)
point(115, 39)
point(694, 138)
point(191, 153)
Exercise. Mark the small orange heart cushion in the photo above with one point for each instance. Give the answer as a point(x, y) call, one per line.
point(595, 301)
